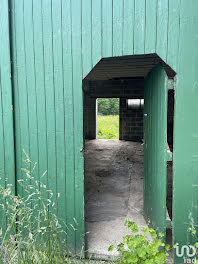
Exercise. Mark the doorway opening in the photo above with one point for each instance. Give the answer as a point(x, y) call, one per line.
point(170, 127)
point(107, 118)
point(114, 169)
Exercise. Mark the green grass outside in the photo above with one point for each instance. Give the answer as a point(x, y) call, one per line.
point(108, 127)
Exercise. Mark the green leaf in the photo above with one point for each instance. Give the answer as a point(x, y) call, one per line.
point(161, 234)
point(132, 226)
point(111, 248)
point(167, 247)
point(136, 248)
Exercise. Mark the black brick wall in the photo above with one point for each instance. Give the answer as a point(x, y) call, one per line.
point(131, 122)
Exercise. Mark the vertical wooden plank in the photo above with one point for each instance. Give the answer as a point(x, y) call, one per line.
point(185, 180)
point(15, 90)
point(7, 161)
point(162, 28)
point(2, 159)
point(139, 27)
point(151, 26)
point(40, 90)
point(155, 148)
point(69, 121)
point(96, 31)
point(173, 33)
point(128, 26)
point(30, 84)
point(50, 96)
point(2, 147)
point(6, 93)
point(86, 36)
point(22, 89)
point(118, 27)
point(59, 104)
point(78, 123)
point(107, 28)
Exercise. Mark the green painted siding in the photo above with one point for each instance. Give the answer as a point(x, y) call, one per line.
point(7, 162)
point(185, 204)
point(155, 145)
point(54, 45)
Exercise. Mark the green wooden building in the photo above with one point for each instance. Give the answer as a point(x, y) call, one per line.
point(48, 47)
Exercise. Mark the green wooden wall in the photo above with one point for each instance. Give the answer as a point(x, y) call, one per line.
point(55, 43)
point(7, 163)
point(155, 148)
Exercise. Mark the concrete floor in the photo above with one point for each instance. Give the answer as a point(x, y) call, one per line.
point(114, 191)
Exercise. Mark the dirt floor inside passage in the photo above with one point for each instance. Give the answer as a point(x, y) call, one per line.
point(114, 191)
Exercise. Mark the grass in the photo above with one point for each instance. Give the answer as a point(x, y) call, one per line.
point(33, 234)
point(108, 127)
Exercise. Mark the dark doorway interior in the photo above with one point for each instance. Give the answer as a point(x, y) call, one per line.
point(170, 128)
point(114, 168)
